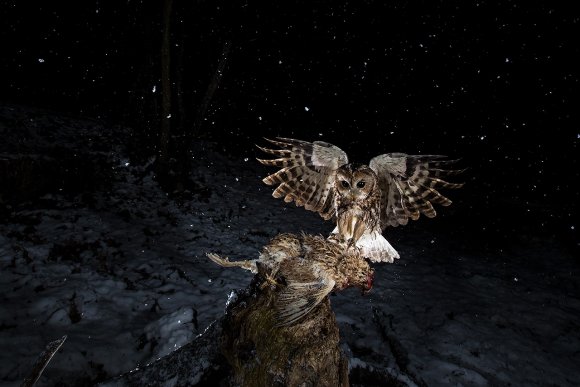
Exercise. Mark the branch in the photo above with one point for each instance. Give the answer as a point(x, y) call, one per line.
point(42, 361)
point(211, 88)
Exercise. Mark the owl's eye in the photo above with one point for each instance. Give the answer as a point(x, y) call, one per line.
point(360, 184)
point(344, 183)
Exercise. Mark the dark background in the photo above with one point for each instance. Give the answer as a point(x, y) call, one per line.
point(494, 84)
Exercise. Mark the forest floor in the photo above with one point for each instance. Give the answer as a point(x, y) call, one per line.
point(102, 254)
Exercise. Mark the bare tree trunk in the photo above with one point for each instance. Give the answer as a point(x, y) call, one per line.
point(165, 86)
point(184, 153)
point(42, 361)
point(179, 85)
point(211, 89)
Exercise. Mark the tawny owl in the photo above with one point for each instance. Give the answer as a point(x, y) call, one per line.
point(364, 199)
point(304, 269)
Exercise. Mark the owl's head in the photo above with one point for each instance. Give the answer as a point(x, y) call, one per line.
point(355, 182)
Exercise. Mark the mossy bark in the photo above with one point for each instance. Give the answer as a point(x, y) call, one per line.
point(262, 354)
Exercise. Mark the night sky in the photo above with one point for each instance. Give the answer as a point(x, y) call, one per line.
point(494, 84)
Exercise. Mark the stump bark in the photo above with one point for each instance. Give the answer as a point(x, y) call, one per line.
point(261, 354)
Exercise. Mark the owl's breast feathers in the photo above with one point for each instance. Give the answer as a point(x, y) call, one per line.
point(354, 218)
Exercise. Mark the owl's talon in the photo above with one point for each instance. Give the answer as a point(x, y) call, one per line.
point(351, 243)
point(269, 281)
point(273, 281)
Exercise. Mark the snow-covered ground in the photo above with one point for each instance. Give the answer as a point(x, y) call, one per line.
point(121, 270)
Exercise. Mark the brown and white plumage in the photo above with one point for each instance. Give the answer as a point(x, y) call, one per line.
point(307, 173)
point(397, 187)
point(409, 185)
point(304, 269)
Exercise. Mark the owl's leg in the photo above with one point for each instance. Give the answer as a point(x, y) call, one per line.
point(358, 229)
point(347, 243)
point(351, 227)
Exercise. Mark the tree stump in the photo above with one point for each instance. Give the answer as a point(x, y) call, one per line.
point(261, 354)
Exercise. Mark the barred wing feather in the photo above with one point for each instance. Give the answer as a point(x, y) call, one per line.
point(410, 185)
point(307, 172)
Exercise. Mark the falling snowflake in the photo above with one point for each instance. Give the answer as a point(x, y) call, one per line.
point(306, 108)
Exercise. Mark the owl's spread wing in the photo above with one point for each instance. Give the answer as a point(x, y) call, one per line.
point(307, 172)
point(409, 185)
point(299, 298)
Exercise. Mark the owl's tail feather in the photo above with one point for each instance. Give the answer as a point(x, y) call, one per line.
point(225, 262)
point(376, 248)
